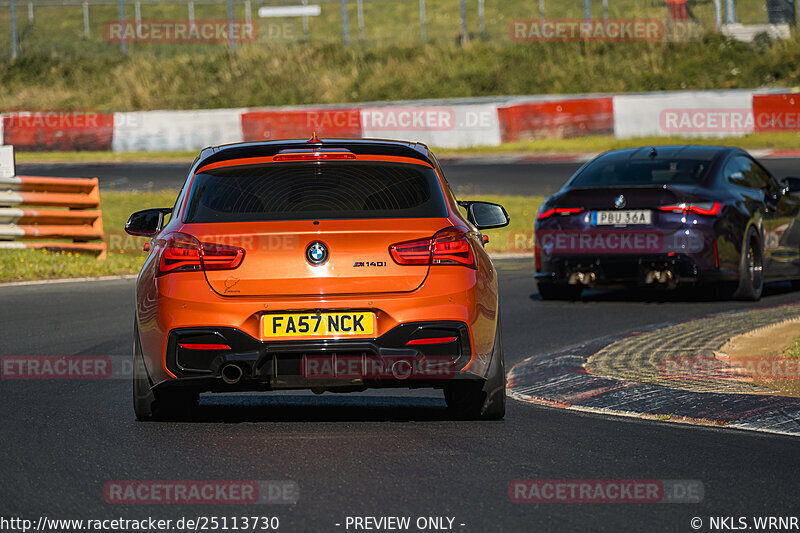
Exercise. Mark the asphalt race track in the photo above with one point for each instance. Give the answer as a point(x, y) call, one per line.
point(370, 454)
point(528, 179)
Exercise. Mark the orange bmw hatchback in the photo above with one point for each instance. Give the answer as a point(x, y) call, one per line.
point(331, 265)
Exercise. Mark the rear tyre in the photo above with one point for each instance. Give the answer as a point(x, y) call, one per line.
point(143, 397)
point(481, 400)
point(751, 268)
point(552, 291)
point(174, 405)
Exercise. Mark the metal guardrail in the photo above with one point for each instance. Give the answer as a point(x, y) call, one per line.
point(405, 21)
point(78, 218)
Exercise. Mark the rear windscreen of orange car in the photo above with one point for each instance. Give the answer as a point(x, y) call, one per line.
point(318, 190)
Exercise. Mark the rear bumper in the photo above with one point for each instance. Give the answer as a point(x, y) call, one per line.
point(633, 269)
point(175, 303)
point(336, 365)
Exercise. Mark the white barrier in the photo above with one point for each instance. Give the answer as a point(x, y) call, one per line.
point(684, 114)
point(166, 131)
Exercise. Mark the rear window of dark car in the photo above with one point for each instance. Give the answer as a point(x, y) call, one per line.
point(614, 172)
point(310, 191)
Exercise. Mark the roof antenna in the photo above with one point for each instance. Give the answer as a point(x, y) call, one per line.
point(653, 152)
point(313, 139)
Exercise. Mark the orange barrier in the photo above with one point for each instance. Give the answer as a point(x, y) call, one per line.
point(556, 118)
point(62, 130)
point(78, 221)
point(776, 112)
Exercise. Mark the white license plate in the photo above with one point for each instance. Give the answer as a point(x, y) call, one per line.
point(630, 217)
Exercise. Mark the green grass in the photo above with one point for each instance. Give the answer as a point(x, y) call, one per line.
point(601, 143)
point(125, 254)
point(793, 351)
point(320, 73)
point(104, 157)
point(589, 144)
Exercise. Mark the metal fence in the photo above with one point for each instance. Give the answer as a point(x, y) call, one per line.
point(87, 27)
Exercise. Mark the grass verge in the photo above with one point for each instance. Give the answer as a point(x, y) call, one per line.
point(318, 73)
point(793, 351)
point(768, 357)
point(589, 144)
point(125, 254)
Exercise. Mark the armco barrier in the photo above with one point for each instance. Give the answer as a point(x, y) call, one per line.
point(300, 123)
point(72, 227)
point(557, 118)
point(58, 130)
point(776, 112)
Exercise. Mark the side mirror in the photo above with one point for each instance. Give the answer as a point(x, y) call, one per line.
point(146, 223)
point(791, 185)
point(485, 215)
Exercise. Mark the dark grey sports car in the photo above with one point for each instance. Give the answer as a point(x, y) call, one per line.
point(669, 215)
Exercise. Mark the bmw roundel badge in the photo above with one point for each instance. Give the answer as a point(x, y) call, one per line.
point(316, 253)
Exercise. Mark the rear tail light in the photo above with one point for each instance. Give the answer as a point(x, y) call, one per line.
point(181, 253)
point(221, 257)
point(558, 211)
point(450, 246)
point(703, 208)
point(184, 253)
point(716, 253)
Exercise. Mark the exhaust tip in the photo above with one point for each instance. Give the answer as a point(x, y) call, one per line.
point(231, 374)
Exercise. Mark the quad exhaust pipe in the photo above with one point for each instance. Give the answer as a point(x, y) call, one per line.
point(583, 278)
point(231, 373)
point(659, 276)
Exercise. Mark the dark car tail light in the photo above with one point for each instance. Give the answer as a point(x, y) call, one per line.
point(450, 246)
point(698, 208)
point(184, 252)
point(559, 211)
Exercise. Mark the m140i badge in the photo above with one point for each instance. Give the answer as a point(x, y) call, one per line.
point(358, 264)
